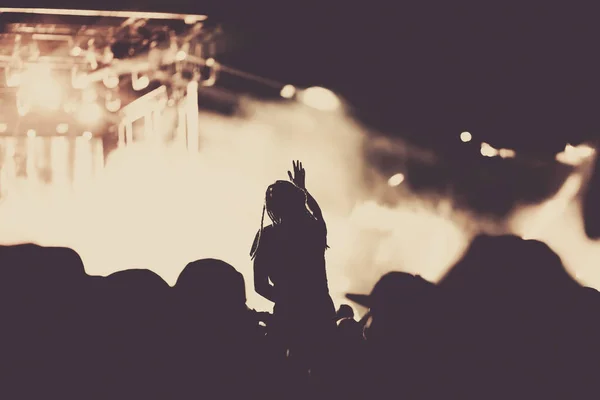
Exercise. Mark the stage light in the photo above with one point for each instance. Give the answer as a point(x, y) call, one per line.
point(507, 153)
point(466, 137)
point(91, 57)
point(111, 81)
point(89, 113)
point(31, 133)
point(210, 62)
point(113, 104)
point(192, 19)
point(139, 82)
point(3, 128)
point(62, 128)
point(181, 55)
point(487, 150)
point(575, 155)
point(320, 98)
point(87, 135)
point(396, 180)
point(76, 51)
point(288, 91)
point(107, 55)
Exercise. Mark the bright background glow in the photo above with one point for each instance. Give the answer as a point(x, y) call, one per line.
point(39, 88)
point(160, 208)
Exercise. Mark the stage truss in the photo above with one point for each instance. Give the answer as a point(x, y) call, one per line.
point(80, 83)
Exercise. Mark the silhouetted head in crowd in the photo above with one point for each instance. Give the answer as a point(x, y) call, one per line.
point(212, 285)
point(345, 311)
point(55, 271)
point(284, 202)
point(58, 260)
point(397, 299)
point(505, 266)
point(136, 288)
point(137, 281)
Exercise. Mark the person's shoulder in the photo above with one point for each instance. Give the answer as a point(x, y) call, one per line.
point(266, 230)
point(261, 235)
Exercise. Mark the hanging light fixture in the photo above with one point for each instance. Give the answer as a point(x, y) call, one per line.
point(110, 80)
point(139, 82)
point(112, 102)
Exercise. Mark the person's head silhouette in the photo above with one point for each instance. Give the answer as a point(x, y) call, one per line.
point(397, 300)
point(291, 208)
point(284, 201)
point(212, 285)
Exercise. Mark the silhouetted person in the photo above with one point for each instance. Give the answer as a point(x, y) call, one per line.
point(41, 336)
point(290, 253)
point(131, 326)
point(518, 324)
point(219, 345)
point(402, 335)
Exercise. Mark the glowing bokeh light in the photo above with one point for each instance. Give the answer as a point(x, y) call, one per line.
point(180, 56)
point(31, 133)
point(140, 83)
point(396, 180)
point(288, 91)
point(62, 128)
point(320, 99)
point(466, 137)
point(575, 155)
point(3, 127)
point(76, 51)
point(488, 151)
point(507, 153)
point(113, 105)
point(111, 81)
point(87, 135)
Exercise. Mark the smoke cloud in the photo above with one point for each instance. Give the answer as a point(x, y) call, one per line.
point(160, 207)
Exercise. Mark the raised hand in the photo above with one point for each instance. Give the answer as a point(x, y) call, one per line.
point(298, 177)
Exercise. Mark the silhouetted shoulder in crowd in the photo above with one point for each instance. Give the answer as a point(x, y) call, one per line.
point(402, 330)
point(517, 321)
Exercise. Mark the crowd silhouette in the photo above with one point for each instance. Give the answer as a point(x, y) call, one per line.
point(507, 321)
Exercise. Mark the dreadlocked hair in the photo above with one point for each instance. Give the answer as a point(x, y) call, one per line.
point(277, 219)
point(256, 243)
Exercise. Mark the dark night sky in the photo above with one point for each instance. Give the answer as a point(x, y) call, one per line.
point(520, 76)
